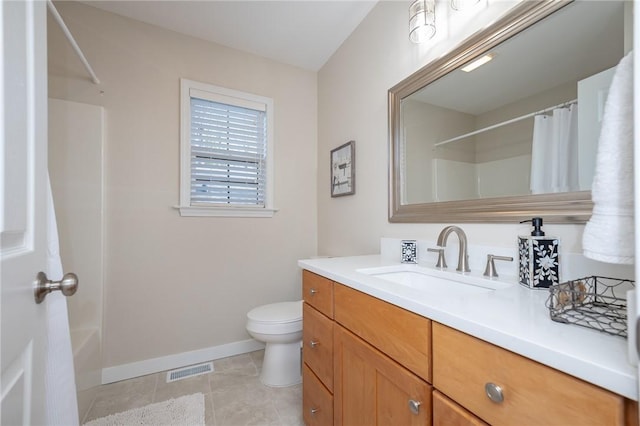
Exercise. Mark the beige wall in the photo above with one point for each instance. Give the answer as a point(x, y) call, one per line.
point(175, 284)
point(352, 90)
point(423, 125)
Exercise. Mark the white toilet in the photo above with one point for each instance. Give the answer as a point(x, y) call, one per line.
point(279, 325)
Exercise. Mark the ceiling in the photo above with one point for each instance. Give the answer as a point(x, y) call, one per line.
point(303, 33)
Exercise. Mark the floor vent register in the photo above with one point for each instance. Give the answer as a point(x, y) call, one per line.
point(193, 370)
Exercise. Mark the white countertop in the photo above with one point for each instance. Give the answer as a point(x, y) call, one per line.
point(514, 318)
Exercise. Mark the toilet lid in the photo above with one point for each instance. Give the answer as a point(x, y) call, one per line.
point(282, 312)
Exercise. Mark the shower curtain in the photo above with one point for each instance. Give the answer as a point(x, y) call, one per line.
point(61, 405)
point(554, 152)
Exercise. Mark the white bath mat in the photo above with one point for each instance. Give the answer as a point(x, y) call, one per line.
point(184, 411)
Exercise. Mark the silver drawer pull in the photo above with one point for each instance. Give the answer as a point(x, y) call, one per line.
point(414, 406)
point(313, 343)
point(313, 291)
point(494, 392)
point(314, 411)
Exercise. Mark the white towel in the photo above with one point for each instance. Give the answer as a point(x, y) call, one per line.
point(609, 234)
point(61, 405)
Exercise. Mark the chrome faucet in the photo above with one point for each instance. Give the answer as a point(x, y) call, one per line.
point(463, 256)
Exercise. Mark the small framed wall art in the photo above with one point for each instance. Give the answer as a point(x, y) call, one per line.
point(343, 170)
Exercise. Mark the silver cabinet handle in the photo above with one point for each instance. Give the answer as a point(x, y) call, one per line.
point(68, 285)
point(313, 343)
point(494, 392)
point(414, 406)
point(313, 291)
point(314, 411)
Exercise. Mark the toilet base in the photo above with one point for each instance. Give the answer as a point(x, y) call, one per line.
point(281, 365)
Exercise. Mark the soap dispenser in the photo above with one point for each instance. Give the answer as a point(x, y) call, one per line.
point(539, 258)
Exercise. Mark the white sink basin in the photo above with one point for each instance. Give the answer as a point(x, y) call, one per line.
point(433, 280)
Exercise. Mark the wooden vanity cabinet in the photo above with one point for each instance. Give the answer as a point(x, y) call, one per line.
point(317, 351)
point(402, 335)
point(317, 291)
point(369, 362)
point(448, 413)
point(317, 335)
point(317, 401)
point(381, 362)
point(524, 391)
point(372, 389)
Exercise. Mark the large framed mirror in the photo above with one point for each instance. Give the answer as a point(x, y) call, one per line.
point(484, 145)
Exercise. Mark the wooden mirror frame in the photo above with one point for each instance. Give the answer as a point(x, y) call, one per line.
point(567, 207)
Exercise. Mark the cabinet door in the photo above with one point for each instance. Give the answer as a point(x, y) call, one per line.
point(448, 413)
point(372, 389)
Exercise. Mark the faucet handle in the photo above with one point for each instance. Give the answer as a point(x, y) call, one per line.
point(490, 270)
point(441, 263)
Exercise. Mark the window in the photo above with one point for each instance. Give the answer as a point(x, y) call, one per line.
point(226, 148)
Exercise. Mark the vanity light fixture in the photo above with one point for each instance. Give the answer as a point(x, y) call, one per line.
point(462, 4)
point(478, 62)
point(422, 17)
point(422, 20)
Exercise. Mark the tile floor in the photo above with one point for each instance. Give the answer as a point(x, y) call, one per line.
point(233, 394)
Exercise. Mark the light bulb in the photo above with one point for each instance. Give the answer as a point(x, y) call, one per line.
point(422, 20)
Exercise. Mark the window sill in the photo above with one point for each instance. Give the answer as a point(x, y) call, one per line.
point(203, 211)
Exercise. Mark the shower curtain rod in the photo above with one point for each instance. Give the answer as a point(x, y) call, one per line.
point(75, 46)
point(504, 123)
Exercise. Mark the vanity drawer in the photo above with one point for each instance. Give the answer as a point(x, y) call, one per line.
point(400, 334)
point(532, 393)
point(317, 402)
point(318, 292)
point(317, 337)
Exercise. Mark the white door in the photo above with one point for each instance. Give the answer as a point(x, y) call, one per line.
point(23, 174)
point(634, 339)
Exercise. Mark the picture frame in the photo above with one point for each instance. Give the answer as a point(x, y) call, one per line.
point(343, 170)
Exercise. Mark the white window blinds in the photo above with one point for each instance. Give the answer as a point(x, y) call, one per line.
point(228, 153)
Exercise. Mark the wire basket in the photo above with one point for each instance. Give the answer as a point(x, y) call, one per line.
point(594, 302)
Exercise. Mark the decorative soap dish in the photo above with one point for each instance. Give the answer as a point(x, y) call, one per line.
point(409, 251)
point(594, 302)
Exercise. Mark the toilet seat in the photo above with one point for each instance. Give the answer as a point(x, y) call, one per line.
point(282, 312)
point(276, 318)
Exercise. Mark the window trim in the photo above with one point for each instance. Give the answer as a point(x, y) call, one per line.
point(224, 95)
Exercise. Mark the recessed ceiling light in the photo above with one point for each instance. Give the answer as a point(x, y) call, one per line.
point(478, 62)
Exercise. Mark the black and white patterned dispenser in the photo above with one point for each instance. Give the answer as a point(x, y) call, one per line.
point(539, 258)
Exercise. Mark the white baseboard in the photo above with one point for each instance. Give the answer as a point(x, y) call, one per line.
point(169, 362)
